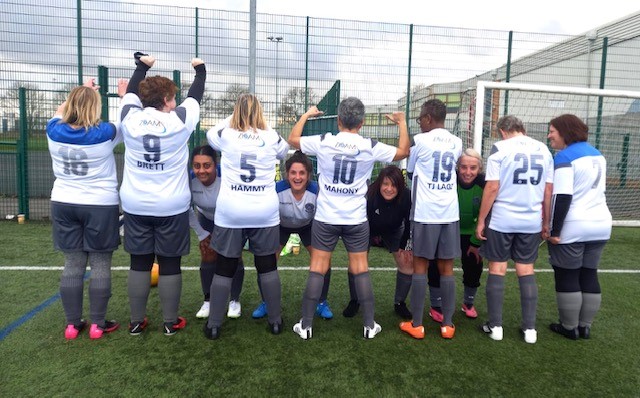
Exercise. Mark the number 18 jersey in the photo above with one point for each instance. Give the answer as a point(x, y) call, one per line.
point(345, 163)
point(522, 166)
point(433, 161)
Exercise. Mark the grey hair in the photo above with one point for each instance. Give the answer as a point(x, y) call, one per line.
point(351, 112)
point(472, 153)
point(510, 124)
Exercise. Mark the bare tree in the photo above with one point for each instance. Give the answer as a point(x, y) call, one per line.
point(40, 107)
point(223, 105)
point(293, 104)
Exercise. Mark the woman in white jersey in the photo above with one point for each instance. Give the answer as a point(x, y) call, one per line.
point(580, 225)
point(155, 187)
point(84, 206)
point(297, 194)
point(205, 187)
point(247, 207)
point(345, 163)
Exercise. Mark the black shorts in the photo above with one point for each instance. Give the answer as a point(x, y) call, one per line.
point(165, 236)
point(304, 232)
point(88, 228)
point(390, 239)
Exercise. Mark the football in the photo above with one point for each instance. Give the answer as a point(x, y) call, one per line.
point(154, 274)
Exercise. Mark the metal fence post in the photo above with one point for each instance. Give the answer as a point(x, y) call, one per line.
point(103, 82)
point(603, 72)
point(23, 181)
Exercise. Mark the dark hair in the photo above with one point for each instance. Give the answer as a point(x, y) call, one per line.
point(394, 174)
point(299, 157)
point(571, 128)
point(154, 90)
point(205, 150)
point(351, 112)
point(510, 124)
point(434, 108)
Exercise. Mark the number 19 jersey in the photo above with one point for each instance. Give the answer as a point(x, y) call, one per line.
point(433, 161)
point(345, 163)
point(248, 197)
point(522, 166)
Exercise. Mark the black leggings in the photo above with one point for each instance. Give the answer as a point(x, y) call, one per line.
point(226, 266)
point(576, 280)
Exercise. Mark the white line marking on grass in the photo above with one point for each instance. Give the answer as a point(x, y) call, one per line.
point(387, 269)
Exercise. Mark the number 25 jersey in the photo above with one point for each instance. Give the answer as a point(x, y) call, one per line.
point(522, 166)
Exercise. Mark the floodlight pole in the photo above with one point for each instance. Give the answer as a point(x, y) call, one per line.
point(277, 40)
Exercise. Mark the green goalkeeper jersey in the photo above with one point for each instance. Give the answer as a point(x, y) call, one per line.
point(469, 198)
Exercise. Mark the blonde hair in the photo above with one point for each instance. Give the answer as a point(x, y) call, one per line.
point(248, 114)
point(82, 108)
point(472, 153)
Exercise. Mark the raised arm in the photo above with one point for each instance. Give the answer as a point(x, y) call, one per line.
point(144, 62)
point(403, 135)
point(90, 82)
point(196, 91)
point(296, 131)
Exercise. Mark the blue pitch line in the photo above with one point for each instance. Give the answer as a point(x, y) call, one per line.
point(23, 319)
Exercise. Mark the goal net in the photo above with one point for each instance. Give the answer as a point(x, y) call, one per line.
point(613, 117)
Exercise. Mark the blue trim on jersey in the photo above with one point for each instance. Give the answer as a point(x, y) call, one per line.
point(283, 185)
point(65, 134)
point(574, 151)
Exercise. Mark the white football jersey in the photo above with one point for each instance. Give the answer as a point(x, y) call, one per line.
point(248, 197)
point(433, 161)
point(156, 181)
point(204, 200)
point(83, 163)
point(581, 171)
point(522, 166)
point(345, 163)
point(296, 213)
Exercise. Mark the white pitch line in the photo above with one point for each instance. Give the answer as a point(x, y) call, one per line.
point(387, 269)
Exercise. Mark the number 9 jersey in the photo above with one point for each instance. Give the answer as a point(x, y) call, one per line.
point(155, 179)
point(523, 166)
point(248, 197)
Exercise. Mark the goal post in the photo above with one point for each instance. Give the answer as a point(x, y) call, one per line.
point(613, 117)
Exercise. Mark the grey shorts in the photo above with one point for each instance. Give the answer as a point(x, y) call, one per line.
point(205, 223)
point(304, 232)
point(325, 236)
point(576, 255)
point(164, 236)
point(230, 241)
point(434, 241)
point(86, 228)
point(500, 247)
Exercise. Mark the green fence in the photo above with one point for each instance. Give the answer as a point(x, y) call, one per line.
point(47, 48)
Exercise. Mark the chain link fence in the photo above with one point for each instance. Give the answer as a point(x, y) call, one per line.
point(48, 48)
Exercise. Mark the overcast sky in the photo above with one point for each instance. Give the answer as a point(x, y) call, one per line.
point(570, 17)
